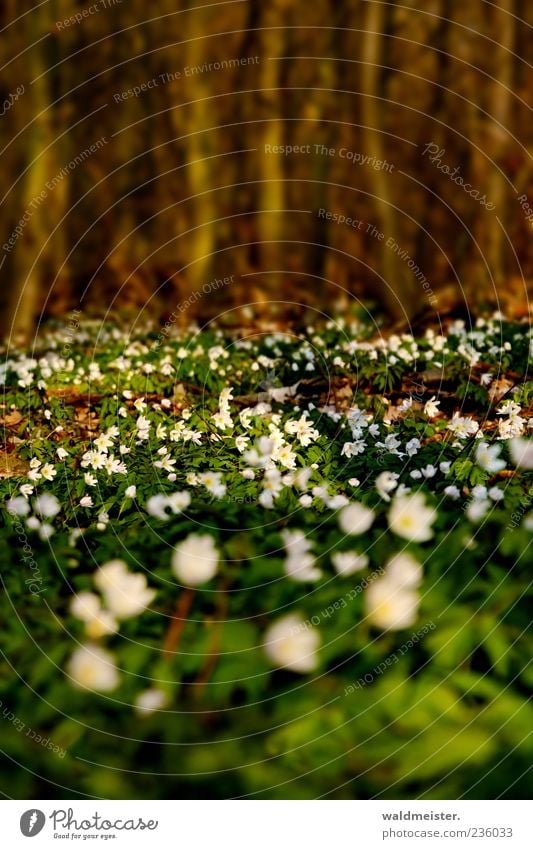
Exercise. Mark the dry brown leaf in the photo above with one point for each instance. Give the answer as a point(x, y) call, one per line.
point(13, 418)
point(499, 388)
point(12, 466)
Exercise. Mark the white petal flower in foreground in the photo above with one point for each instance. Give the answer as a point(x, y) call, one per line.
point(521, 451)
point(355, 518)
point(487, 456)
point(290, 643)
point(195, 560)
point(300, 562)
point(93, 668)
point(47, 505)
point(390, 606)
point(410, 518)
point(98, 622)
point(149, 701)
point(18, 506)
point(85, 606)
point(126, 594)
point(348, 562)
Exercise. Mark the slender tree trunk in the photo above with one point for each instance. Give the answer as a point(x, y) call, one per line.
point(499, 106)
point(397, 290)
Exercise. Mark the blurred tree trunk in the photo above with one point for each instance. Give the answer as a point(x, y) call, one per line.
point(270, 134)
point(166, 200)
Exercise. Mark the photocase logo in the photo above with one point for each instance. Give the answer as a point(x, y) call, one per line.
point(32, 822)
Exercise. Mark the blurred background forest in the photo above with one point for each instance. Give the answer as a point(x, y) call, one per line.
point(139, 155)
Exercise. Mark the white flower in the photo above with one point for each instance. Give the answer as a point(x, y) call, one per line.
point(131, 491)
point(509, 408)
point(149, 701)
point(355, 518)
point(303, 429)
point(511, 428)
point(103, 442)
point(300, 563)
point(222, 420)
point(195, 559)
point(114, 466)
point(404, 570)
point(18, 506)
point(85, 606)
point(166, 464)
point(156, 506)
point(47, 505)
point(86, 501)
point(487, 456)
point(98, 622)
point(48, 472)
point(463, 426)
point(386, 482)
point(143, 426)
point(241, 443)
point(452, 492)
point(348, 562)
point(94, 459)
point(33, 523)
point(266, 499)
point(412, 447)
point(389, 606)
point(477, 509)
point(93, 668)
point(410, 518)
point(90, 479)
point(61, 453)
point(125, 594)
point(301, 478)
point(179, 501)
point(335, 502)
point(351, 449)
point(431, 408)
point(27, 489)
point(213, 483)
point(289, 643)
point(285, 456)
point(521, 451)
point(46, 531)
